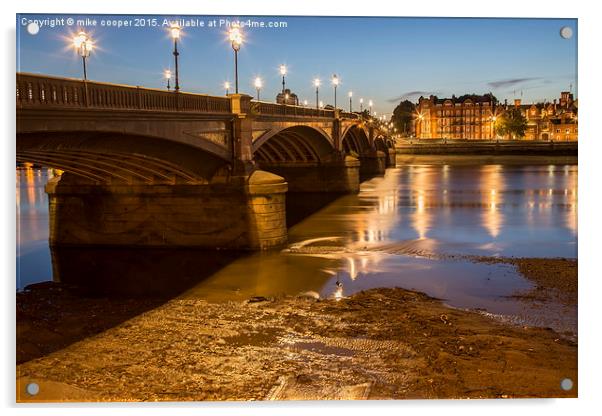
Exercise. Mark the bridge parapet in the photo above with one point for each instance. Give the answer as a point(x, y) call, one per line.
point(348, 115)
point(272, 109)
point(44, 91)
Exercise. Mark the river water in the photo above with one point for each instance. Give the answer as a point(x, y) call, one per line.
point(399, 231)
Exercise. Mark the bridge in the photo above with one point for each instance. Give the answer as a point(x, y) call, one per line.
point(148, 167)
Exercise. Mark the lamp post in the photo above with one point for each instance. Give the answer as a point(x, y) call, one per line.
point(175, 34)
point(370, 105)
point(283, 73)
point(227, 87)
point(335, 83)
point(84, 46)
point(350, 103)
point(361, 105)
point(258, 85)
point(167, 75)
point(236, 38)
point(317, 85)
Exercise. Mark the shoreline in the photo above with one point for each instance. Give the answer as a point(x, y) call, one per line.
point(483, 159)
point(301, 348)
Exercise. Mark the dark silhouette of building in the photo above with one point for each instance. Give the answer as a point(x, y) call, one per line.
point(287, 98)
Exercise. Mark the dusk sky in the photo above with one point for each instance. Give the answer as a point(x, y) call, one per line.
point(383, 59)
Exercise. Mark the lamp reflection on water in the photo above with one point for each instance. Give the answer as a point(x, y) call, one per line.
point(493, 185)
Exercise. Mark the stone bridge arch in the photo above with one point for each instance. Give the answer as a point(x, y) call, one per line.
point(355, 141)
point(296, 144)
point(118, 158)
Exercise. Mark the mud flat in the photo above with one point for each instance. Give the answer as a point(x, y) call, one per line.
point(554, 277)
point(378, 344)
point(51, 316)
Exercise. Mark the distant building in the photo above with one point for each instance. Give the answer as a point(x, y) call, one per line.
point(287, 98)
point(473, 117)
point(551, 121)
point(466, 117)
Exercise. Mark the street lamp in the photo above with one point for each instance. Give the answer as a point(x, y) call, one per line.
point(317, 85)
point(84, 46)
point(175, 34)
point(236, 38)
point(283, 73)
point(227, 87)
point(321, 104)
point(350, 103)
point(167, 75)
point(258, 85)
point(335, 83)
point(305, 103)
point(370, 105)
point(361, 105)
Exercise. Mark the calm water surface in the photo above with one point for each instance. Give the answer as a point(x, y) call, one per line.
point(388, 235)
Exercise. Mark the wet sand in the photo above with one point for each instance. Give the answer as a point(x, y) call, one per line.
point(378, 344)
point(554, 278)
point(51, 316)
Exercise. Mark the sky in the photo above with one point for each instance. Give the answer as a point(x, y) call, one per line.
point(383, 59)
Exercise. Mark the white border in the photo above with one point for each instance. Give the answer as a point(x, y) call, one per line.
point(590, 203)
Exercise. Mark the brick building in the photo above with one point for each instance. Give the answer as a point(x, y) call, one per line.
point(551, 121)
point(466, 117)
point(473, 117)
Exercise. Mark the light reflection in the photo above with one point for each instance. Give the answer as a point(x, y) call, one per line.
point(374, 225)
point(421, 218)
point(492, 179)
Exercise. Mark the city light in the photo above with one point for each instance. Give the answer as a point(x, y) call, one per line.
point(305, 103)
point(370, 105)
point(317, 85)
point(361, 105)
point(350, 102)
point(84, 45)
point(227, 87)
point(258, 86)
point(167, 76)
point(175, 31)
point(335, 83)
point(321, 104)
point(236, 38)
point(283, 73)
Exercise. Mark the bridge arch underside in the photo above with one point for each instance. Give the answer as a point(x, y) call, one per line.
point(114, 158)
point(293, 145)
point(355, 142)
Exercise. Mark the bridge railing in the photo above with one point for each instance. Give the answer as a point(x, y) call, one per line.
point(346, 114)
point(38, 90)
point(273, 109)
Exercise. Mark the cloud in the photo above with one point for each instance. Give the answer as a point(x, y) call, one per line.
point(510, 82)
point(411, 94)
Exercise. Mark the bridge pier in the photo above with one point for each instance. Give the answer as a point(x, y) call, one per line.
point(373, 163)
point(391, 158)
point(336, 176)
point(314, 185)
point(244, 213)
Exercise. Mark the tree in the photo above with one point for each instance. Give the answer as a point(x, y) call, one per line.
point(512, 123)
point(403, 116)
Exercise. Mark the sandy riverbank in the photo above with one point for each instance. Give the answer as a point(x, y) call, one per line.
point(379, 344)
